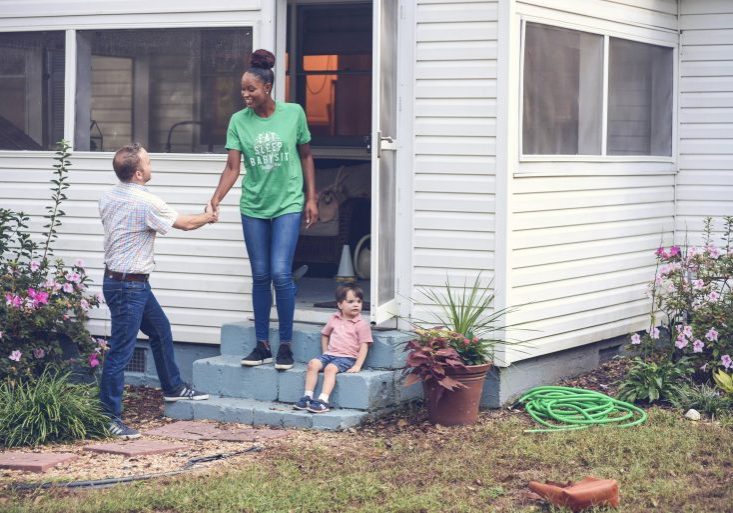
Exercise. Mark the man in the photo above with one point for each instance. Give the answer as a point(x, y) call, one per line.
point(132, 216)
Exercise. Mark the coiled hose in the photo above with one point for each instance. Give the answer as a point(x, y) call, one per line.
point(566, 408)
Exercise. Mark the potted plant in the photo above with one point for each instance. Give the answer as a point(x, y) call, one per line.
point(452, 359)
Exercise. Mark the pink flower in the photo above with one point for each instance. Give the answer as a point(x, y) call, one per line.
point(712, 335)
point(726, 361)
point(93, 360)
point(1, 335)
point(79, 263)
point(681, 342)
point(661, 253)
point(84, 304)
point(102, 345)
point(15, 355)
point(100, 297)
point(68, 287)
point(35, 265)
point(674, 251)
point(687, 330)
point(73, 277)
point(654, 333)
point(39, 353)
point(635, 339)
point(698, 284)
point(697, 346)
point(713, 251)
point(713, 296)
point(49, 283)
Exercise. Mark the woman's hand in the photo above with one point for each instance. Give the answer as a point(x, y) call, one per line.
point(311, 212)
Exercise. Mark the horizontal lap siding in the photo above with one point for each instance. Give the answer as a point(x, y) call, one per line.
point(582, 245)
point(454, 142)
point(202, 277)
point(705, 181)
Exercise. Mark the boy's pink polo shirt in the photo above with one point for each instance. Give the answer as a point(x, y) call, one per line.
point(346, 335)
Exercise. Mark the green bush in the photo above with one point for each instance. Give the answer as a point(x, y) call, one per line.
point(652, 381)
point(49, 409)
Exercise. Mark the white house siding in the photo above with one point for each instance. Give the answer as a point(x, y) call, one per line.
point(454, 141)
point(202, 277)
point(705, 180)
point(582, 234)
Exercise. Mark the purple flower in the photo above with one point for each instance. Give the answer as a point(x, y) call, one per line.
point(661, 253)
point(35, 265)
point(654, 333)
point(697, 346)
point(726, 361)
point(712, 335)
point(635, 339)
point(687, 330)
point(15, 355)
point(68, 287)
point(674, 251)
point(80, 263)
point(698, 284)
point(73, 277)
point(681, 342)
point(84, 304)
point(713, 251)
point(39, 353)
point(713, 296)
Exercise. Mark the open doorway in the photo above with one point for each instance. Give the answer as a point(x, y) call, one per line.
point(329, 72)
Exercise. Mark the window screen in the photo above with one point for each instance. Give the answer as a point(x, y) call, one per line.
point(31, 90)
point(563, 72)
point(173, 90)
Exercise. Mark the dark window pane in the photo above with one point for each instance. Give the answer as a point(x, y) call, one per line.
point(174, 90)
point(31, 90)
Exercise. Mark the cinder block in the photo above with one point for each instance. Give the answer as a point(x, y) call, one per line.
point(337, 419)
point(237, 338)
point(182, 410)
point(207, 375)
point(291, 383)
point(387, 351)
point(405, 394)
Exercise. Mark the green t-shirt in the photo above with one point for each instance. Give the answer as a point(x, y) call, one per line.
point(273, 180)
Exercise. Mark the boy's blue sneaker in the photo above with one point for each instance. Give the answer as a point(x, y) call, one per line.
point(303, 403)
point(317, 406)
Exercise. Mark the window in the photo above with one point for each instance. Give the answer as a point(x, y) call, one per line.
point(332, 75)
point(171, 89)
point(31, 90)
point(563, 102)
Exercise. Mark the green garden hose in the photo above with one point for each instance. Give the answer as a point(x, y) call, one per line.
point(565, 408)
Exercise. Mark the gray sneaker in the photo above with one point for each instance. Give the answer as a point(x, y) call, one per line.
point(186, 393)
point(118, 429)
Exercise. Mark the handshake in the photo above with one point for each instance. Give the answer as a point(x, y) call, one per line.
point(212, 212)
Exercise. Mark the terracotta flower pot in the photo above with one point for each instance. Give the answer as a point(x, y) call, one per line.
point(457, 407)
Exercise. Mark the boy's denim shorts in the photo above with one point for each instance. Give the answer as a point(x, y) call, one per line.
point(343, 363)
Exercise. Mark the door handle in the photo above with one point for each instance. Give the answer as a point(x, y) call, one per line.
point(385, 142)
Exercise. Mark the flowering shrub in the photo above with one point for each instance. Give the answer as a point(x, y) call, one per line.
point(692, 300)
point(44, 305)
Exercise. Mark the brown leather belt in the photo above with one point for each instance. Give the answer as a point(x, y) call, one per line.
point(125, 276)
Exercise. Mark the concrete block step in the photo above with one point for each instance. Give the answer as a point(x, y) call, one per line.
point(369, 389)
point(263, 413)
point(238, 339)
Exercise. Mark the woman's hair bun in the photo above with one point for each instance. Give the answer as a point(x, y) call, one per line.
point(262, 59)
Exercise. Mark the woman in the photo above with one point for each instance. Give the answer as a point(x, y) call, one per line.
point(273, 137)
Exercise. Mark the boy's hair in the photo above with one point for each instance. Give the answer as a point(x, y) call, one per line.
point(343, 290)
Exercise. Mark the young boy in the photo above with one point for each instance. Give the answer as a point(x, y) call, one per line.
point(344, 342)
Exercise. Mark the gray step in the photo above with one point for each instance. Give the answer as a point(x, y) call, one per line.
point(263, 413)
point(366, 390)
point(238, 339)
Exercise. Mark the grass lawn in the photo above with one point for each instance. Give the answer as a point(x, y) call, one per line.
point(668, 464)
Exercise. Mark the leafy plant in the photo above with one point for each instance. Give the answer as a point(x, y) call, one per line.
point(430, 356)
point(43, 305)
point(724, 381)
point(703, 398)
point(652, 381)
point(49, 409)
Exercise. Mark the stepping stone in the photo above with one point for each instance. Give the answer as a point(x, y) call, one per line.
point(195, 430)
point(34, 462)
point(136, 448)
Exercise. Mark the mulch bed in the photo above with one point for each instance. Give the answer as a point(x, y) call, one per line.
point(143, 410)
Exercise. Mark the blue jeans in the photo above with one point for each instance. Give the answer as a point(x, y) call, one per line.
point(271, 248)
point(133, 308)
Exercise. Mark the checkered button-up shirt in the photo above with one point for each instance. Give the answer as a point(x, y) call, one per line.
point(131, 217)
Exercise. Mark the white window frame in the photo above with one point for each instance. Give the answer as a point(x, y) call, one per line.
point(612, 164)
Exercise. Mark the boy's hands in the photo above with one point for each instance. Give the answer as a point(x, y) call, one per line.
point(355, 368)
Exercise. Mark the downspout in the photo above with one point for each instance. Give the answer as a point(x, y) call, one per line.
point(677, 123)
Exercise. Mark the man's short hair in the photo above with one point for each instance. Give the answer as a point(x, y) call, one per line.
point(127, 161)
point(343, 290)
